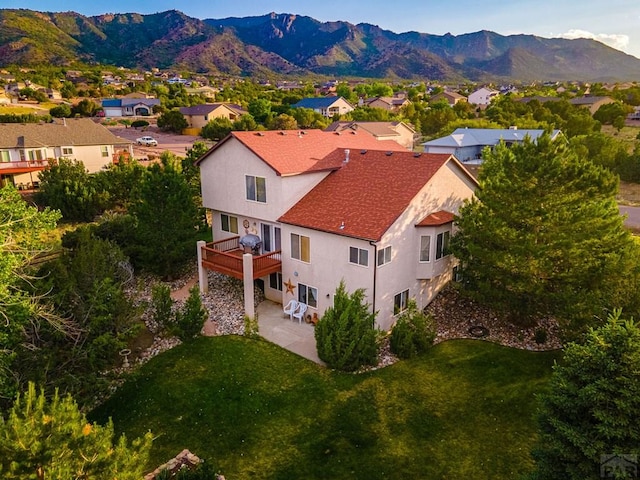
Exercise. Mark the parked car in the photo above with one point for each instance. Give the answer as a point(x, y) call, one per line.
point(147, 141)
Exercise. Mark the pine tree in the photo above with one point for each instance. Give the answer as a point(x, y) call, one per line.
point(167, 220)
point(345, 335)
point(591, 407)
point(54, 441)
point(544, 236)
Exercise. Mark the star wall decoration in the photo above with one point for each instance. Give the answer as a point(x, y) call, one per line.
point(290, 286)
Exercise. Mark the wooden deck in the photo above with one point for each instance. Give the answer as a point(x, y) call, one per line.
point(225, 256)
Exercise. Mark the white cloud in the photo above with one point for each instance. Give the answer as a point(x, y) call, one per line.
point(617, 41)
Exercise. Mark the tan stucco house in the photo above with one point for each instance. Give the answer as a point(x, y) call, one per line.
point(27, 148)
point(321, 207)
point(198, 116)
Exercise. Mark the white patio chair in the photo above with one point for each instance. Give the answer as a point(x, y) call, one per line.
point(290, 308)
point(299, 313)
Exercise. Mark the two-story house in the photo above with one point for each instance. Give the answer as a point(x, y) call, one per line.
point(321, 207)
point(27, 148)
point(326, 106)
point(483, 96)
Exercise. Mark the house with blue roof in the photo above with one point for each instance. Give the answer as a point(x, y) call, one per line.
point(467, 144)
point(128, 107)
point(326, 106)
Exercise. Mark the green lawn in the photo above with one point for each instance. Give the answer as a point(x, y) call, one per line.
point(254, 410)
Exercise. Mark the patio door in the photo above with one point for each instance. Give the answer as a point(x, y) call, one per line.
point(270, 237)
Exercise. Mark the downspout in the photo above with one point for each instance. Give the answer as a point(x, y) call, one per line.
point(375, 269)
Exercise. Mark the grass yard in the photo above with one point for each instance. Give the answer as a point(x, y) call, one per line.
point(254, 410)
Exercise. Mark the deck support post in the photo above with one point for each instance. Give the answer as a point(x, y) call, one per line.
point(203, 281)
point(247, 274)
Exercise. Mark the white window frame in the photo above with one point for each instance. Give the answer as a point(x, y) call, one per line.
point(66, 151)
point(253, 190)
point(104, 150)
point(384, 256)
point(5, 156)
point(361, 256)
point(35, 155)
point(297, 247)
point(425, 250)
point(400, 302)
point(442, 244)
point(304, 297)
point(229, 223)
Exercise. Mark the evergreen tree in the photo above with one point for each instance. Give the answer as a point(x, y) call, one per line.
point(67, 186)
point(346, 334)
point(544, 236)
point(591, 407)
point(167, 220)
point(54, 441)
point(22, 230)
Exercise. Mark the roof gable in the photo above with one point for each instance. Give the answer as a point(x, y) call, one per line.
point(367, 194)
point(317, 102)
point(69, 132)
point(292, 152)
point(468, 137)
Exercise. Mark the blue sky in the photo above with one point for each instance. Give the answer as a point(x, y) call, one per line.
point(614, 22)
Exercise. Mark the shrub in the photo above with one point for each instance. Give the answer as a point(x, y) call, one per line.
point(139, 124)
point(190, 320)
point(345, 335)
point(162, 307)
point(413, 333)
point(540, 336)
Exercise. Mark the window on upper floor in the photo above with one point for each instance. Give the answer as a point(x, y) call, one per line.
point(359, 256)
point(229, 223)
point(5, 156)
point(256, 188)
point(67, 151)
point(300, 247)
point(308, 295)
point(384, 255)
point(425, 247)
point(35, 155)
point(400, 302)
point(104, 151)
point(442, 244)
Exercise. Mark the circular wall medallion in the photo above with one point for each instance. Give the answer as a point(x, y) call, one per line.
point(246, 223)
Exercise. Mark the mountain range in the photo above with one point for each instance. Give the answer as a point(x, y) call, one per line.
point(286, 44)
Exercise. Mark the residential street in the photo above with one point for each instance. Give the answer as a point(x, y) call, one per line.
point(172, 142)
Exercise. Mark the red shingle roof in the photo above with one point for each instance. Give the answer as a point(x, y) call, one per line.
point(364, 197)
point(292, 152)
point(435, 219)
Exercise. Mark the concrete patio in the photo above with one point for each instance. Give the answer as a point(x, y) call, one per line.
point(276, 327)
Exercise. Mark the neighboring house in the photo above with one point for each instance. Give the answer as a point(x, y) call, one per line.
point(450, 97)
point(591, 103)
point(199, 115)
point(128, 107)
point(393, 104)
point(326, 207)
point(399, 132)
point(27, 148)
point(467, 144)
point(326, 106)
point(482, 96)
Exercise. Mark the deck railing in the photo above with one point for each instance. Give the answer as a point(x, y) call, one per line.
point(225, 256)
